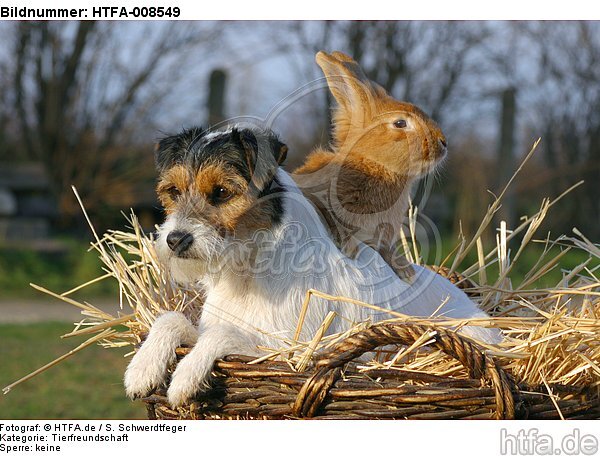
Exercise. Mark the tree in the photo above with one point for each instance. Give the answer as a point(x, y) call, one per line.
point(567, 112)
point(82, 97)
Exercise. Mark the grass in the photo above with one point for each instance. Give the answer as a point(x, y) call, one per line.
point(86, 386)
point(56, 271)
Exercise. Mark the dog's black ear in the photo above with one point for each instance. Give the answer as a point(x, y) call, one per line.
point(166, 153)
point(280, 151)
point(246, 140)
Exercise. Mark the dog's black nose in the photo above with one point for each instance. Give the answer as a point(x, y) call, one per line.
point(179, 241)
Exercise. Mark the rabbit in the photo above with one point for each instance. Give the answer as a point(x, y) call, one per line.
point(381, 147)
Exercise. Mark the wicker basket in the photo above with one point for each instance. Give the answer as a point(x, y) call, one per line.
point(334, 389)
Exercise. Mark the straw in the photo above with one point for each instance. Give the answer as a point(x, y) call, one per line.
point(552, 333)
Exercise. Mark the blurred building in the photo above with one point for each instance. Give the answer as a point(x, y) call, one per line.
point(27, 208)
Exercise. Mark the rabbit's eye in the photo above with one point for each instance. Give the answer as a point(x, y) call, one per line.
point(400, 123)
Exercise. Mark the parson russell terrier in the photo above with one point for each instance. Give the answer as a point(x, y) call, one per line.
point(238, 225)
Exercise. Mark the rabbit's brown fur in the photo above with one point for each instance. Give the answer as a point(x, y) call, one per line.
point(381, 147)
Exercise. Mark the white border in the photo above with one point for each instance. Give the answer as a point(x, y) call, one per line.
point(352, 10)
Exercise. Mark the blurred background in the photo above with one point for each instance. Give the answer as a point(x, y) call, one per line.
point(83, 104)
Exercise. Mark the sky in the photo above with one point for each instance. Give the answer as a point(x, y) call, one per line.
point(270, 76)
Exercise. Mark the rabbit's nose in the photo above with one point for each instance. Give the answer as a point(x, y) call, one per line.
point(443, 142)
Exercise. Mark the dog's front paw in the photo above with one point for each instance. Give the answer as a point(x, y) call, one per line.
point(144, 373)
point(191, 377)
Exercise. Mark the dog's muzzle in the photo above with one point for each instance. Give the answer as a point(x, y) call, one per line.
point(179, 241)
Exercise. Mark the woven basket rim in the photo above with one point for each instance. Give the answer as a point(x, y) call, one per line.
point(315, 385)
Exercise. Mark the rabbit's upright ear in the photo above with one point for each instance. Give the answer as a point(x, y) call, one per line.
point(346, 80)
point(352, 66)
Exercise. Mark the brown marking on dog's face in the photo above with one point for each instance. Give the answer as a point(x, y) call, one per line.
point(214, 188)
point(171, 184)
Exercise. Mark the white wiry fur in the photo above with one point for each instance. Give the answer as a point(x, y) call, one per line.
point(260, 308)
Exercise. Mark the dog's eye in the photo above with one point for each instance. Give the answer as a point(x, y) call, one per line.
point(173, 192)
point(220, 194)
point(400, 123)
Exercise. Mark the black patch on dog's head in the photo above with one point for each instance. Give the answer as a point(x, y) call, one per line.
point(174, 149)
point(237, 147)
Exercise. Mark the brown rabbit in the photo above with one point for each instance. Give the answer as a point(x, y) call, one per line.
point(381, 147)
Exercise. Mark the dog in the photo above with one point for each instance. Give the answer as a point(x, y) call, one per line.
point(237, 224)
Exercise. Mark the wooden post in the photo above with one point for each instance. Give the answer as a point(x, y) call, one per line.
point(216, 97)
point(506, 154)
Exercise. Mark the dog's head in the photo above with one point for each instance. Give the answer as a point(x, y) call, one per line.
point(215, 187)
